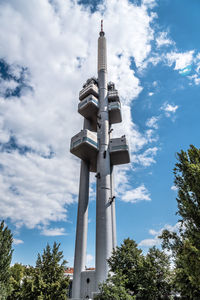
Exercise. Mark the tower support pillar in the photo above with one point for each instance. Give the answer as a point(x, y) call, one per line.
point(113, 213)
point(81, 226)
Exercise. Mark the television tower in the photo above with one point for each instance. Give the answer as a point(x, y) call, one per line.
point(99, 152)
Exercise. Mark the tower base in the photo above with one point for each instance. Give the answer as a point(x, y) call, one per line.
point(87, 285)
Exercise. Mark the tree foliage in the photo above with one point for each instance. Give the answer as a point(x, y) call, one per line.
point(5, 259)
point(185, 244)
point(157, 278)
point(44, 282)
point(17, 272)
point(135, 276)
point(49, 279)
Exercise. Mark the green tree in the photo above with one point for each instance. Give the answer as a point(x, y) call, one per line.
point(125, 265)
point(135, 276)
point(29, 290)
point(185, 244)
point(156, 281)
point(5, 259)
point(17, 272)
point(44, 282)
point(114, 288)
point(49, 279)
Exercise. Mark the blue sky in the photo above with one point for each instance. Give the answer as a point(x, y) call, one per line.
point(48, 50)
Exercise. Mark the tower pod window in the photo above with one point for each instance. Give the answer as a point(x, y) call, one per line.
point(113, 95)
point(86, 139)
point(76, 143)
point(88, 99)
point(114, 105)
point(120, 147)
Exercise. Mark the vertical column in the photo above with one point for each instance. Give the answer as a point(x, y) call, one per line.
point(113, 214)
point(103, 206)
point(81, 227)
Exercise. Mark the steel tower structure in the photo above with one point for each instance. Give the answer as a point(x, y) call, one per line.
point(99, 152)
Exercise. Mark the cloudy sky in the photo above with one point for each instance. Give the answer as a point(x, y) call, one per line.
point(47, 51)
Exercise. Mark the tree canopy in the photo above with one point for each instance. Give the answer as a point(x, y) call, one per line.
point(185, 244)
point(44, 282)
point(6, 251)
point(135, 276)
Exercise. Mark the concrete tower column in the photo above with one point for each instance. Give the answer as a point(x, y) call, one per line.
point(103, 202)
point(81, 226)
point(113, 214)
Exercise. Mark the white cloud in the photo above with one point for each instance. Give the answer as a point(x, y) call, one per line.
point(163, 40)
point(156, 241)
point(150, 3)
point(6, 85)
point(138, 194)
point(197, 61)
point(146, 158)
point(150, 242)
point(181, 60)
point(17, 241)
point(167, 226)
point(124, 16)
point(152, 122)
point(53, 231)
point(150, 94)
point(59, 55)
point(151, 135)
point(174, 188)
point(153, 59)
point(153, 232)
point(195, 78)
point(135, 138)
point(169, 109)
point(36, 190)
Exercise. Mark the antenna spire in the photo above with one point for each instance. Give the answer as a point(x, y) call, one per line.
point(101, 32)
point(101, 25)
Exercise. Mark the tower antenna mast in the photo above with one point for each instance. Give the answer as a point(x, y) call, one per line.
point(101, 25)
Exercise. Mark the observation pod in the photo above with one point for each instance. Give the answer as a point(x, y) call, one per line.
point(119, 151)
point(88, 107)
point(84, 145)
point(114, 109)
point(114, 105)
point(90, 88)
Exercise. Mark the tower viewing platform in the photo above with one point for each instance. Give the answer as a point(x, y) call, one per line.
point(119, 151)
point(89, 88)
point(85, 146)
point(88, 107)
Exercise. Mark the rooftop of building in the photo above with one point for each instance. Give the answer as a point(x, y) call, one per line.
point(71, 270)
